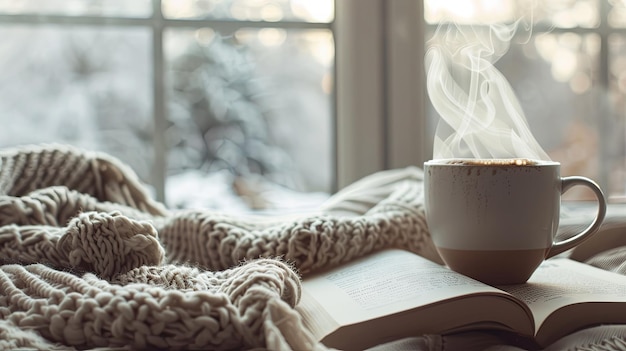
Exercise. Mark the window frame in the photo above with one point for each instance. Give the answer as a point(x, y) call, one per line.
point(380, 90)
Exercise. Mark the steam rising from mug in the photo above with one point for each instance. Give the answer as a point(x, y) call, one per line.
point(480, 115)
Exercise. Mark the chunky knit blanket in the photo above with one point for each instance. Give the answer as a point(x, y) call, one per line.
point(89, 260)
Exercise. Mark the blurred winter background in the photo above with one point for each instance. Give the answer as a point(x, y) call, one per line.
point(205, 105)
point(229, 104)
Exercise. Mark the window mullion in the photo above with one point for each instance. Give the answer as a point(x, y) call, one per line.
point(360, 127)
point(407, 136)
point(604, 115)
point(159, 105)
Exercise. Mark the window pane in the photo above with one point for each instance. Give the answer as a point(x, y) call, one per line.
point(90, 87)
point(560, 13)
point(252, 10)
point(124, 8)
point(617, 14)
point(256, 102)
point(565, 104)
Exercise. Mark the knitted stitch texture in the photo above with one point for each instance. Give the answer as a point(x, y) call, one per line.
point(89, 260)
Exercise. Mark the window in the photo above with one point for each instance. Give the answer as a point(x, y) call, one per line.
point(234, 86)
point(314, 94)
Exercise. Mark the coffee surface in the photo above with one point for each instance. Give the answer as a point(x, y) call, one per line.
point(494, 162)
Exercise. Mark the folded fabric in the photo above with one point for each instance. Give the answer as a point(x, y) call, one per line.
point(90, 260)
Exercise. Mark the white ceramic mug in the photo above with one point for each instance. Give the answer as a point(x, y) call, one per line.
point(496, 220)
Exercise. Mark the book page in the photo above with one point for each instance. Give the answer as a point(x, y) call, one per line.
point(560, 282)
point(387, 282)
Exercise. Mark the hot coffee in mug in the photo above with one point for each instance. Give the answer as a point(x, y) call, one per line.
point(496, 220)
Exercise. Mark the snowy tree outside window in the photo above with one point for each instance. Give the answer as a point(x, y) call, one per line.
point(213, 103)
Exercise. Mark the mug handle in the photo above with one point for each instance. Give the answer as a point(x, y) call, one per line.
point(566, 184)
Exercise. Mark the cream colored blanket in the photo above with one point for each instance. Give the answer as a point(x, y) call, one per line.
point(89, 260)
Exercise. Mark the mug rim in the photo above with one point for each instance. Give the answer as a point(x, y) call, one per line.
point(444, 162)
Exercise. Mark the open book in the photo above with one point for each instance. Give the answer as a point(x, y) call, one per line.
point(394, 293)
